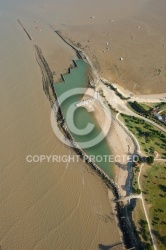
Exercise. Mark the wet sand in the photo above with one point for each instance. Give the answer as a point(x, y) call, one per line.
point(109, 30)
point(134, 31)
point(42, 205)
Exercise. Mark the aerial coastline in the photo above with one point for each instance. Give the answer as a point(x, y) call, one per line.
point(83, 204)
point(134, 148)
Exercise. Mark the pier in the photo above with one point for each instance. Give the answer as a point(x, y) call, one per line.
point(129, 197)
point(87, 102)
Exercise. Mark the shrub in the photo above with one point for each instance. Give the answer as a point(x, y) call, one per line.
point(150, 159)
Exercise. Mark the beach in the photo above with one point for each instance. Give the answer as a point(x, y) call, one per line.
point(120, 142)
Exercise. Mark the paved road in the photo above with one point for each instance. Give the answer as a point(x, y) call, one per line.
point(133, 138)
point(121, 105)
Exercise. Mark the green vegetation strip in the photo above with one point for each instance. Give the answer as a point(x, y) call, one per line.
point(141, 225)
point(135, 187)
point(150, 138)
point(153, 186)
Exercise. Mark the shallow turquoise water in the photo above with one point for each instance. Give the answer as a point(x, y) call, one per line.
point(77, 79)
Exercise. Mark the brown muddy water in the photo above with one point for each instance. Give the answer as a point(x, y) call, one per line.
point(59, 205)
point(42, 205)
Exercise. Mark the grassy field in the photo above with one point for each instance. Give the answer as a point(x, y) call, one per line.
point(153, 185)
point(135, 179)
point(148, 106)
point(150, 138)
point(139, 219)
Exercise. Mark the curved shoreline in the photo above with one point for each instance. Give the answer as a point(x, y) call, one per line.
point(129, 237)
point(119, 206)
